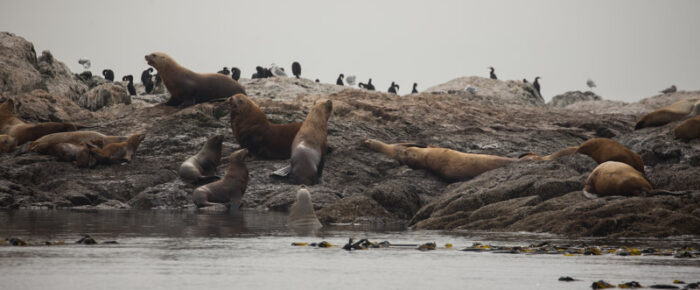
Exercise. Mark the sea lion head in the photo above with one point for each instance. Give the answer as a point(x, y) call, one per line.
point(325, 107)
point(239, 156)
point(132, 144)
point(158, 60)
point(303, 195)
point(216, 140)
point(7, 143)
point(410, 156)
point(238, 104)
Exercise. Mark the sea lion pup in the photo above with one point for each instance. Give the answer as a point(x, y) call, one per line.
point(690, 129)
point(130, 86)
point(187, 87)
point(616, 178)
point(7, 144)
point(108, 74)
point(309, 146)
point(42, 144)
point(450, 164)
point(253, 131)
point(391, 150)
point(228, 190)
point(301, 214)
point(604, 149)
point(296, 69)
point(556, 155)
point(79, 154)
point(201, 168)
point(115, 153)
point(22, 132)
point(668, 114)
point(235, 73)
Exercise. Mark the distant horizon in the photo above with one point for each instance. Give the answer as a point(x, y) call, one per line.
point(631, 49)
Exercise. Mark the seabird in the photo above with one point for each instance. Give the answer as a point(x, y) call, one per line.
point(393, 88)
point(493, 74)
point(415, 90)
point(235, 73)
point(339, 81)
point(108, 74)
point(590, 83)
point(130, 85)
point(350, 80)
point(224, 71)
point(85, 62)
point(536, 84)
point(296, 69)
point(671, 89)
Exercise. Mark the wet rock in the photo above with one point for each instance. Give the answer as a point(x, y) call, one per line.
point(104, 95)
point(41, 106)
point(569, 98)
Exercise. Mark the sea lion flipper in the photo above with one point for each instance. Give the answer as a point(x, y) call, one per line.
point(282, 172)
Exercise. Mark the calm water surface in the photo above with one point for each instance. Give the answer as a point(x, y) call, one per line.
point(252, 250)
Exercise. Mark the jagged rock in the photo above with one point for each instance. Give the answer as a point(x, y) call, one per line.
point(569, 98)
point(104, 95)
point(514, 92)
point(41, 106)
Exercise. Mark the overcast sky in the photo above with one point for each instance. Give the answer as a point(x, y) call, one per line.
point(631, 49)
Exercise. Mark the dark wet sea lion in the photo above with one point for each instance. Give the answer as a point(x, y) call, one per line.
point(229, 190)
point(201, 168)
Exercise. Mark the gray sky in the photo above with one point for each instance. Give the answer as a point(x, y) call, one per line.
point(631, 49)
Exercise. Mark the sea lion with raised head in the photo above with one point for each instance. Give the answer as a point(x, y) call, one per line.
point(604, 149)
point(201, 168)
point(301, 213)
point(22, 132)
point(229, 190)
point(673, 112)
point(309, 146)
point(115, 153)
point(187, 87)
point(616, 178)
point(690, 129)
point(254, 131)
point(42, 144)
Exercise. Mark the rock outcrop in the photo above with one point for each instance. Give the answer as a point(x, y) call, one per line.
point(104, 95)
point(569, 98)
point(513, 92)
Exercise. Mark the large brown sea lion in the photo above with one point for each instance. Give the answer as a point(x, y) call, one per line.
point(301, 213)
point(676, 111)
point(690, 129)
point(187, 87)
point(309, 146)
point(7, 143)
point(201, 168)
point(616, 178)
point(115, 153)
point(253, 131)
point(42, 144)
point(77, 153)
point(450, 164)
point(23, 132)
point(604, 149)
point(228, 190)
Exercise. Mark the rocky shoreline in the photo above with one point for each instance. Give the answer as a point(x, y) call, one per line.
point(503, 118)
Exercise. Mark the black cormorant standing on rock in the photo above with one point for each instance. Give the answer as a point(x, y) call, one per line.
point(296, 69)
point(130, 85)
point(339, 81)
point(224, 71)
point(259, 73)
point(235, 73)
point(536, 84)
point(393, 88)
point(671, 89)
point(159, 81)
point(368, 86)
point(318, 81)
point(108, 74)
point(146, 80)
point(525, 81)
point(415, 90)
point(493, 73)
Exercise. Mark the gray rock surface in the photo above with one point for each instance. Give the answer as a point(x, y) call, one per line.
point(569, 98)
point(104, 95)
point(513, 92)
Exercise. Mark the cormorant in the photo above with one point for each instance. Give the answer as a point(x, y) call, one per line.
point(536, 84)
point(224, 71)
point(108, 74)
point(296, 69)
point(493, 74)
point(146, 80)
point(339, 81)
point(368, 86)
point(393, 88)
point(671, 89)
point(415, 90)
point(130, 85)
point(235, 73)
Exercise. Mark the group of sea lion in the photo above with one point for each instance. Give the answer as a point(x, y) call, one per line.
point(686, 108)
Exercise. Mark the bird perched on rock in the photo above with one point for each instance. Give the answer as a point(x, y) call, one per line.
point(493, 73)
point(525, 81)
point(590, 83)
point(350, 80)
point(108, 74)
point(671, 89)
point(536, 84)
point(368, 86)
point(339, 81)
point(393, 88)
point(224, 71)
point(147, 80)
point(235, 73)
point(415, 90)
point(277, 71)
point(296, 69)
point(130, 85)
point(85, 62)
point(318, 81)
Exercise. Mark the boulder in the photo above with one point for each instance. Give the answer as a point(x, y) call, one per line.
point(104, 95)
point(569, 98)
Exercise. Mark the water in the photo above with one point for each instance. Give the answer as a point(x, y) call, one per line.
point(252, 250)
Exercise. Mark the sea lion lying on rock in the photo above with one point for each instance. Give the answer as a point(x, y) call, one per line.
point(201, 168)
point(450, 164)
point(115, 153)
point(253, 131)
point(42, 144)
point(229, 190)
point(7, 143)
point(556, 155)
point(79, 154)
point(676, 111)
point(23, 132)
point(604, 149)
point(187, 87)
point(616, 178)
point(690, 129)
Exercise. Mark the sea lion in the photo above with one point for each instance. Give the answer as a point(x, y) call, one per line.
point(187, 87)
point(253, 131)
point(616, 178)
point(228, 190)
point(673, 112)
point(449, 164)
point(108, 74)
point(115, 153)
point(556, 155)
point(130, 85)
point(201, 168)
point(42, 144)
point(77, 153)
point(7, 143)
point(690, 129)
point(604, 149)
point(22, 132)
point(309, 146)
point(296, 69)
point(301, 213)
